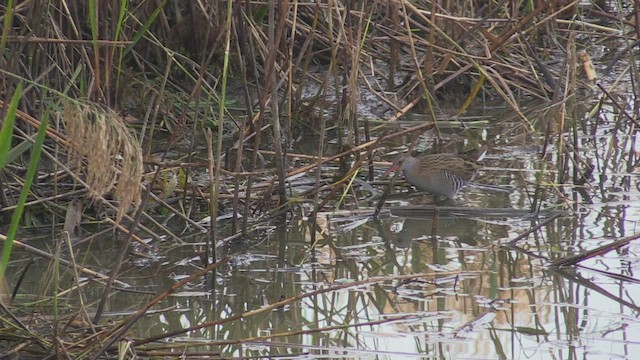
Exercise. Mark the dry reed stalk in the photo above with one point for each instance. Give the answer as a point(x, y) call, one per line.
point(601, 250)
point(112, 154)
point(425, 82)
point(272, 87)
point(568, 69)
point(320, 157)
point(236, 179)
point(210, 251)
point(243, 52)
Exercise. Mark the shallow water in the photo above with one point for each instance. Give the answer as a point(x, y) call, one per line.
point(417, 283)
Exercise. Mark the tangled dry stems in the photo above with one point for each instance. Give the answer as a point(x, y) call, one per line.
point(428, 45)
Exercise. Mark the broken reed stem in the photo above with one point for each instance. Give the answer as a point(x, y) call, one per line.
point(601, 250)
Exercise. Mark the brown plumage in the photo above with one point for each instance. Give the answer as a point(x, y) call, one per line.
point(440, 174)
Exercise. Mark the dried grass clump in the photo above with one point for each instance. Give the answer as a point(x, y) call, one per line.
point(113, 155)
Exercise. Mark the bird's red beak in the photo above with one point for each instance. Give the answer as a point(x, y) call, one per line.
point(394, 167)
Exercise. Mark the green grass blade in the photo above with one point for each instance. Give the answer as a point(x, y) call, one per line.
point(6, 24)
point(28, 181)
point(142, 31)
point(17, 151)
point(7, 128)
point(94, 24)
point(120, 23)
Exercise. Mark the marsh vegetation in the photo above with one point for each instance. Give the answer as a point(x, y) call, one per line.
point(183, 179)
